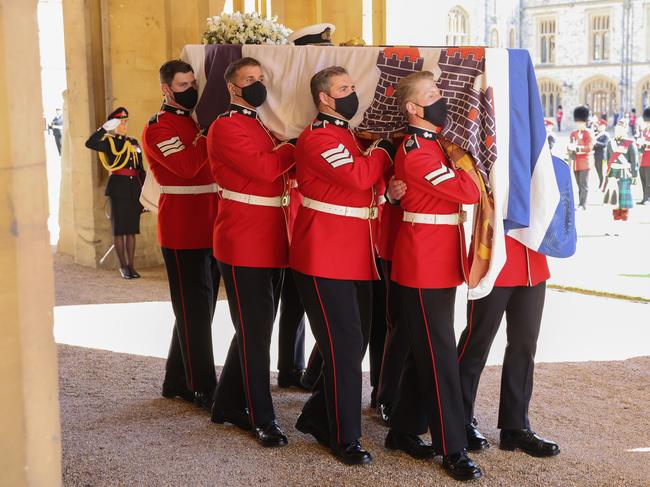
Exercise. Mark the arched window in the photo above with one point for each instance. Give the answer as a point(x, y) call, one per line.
point(549, 93)
point(494, 37)
point(457, 27)
point(601, 95)
point(512, 38)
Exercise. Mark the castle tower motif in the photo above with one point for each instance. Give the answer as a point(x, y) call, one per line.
point(470, 122)
point(383, 116)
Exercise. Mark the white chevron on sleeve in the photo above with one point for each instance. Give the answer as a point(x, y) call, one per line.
point(440, 175)
point(337, 156)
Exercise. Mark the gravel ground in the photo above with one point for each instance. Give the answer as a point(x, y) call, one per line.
point(76, 284)
point(117, 430)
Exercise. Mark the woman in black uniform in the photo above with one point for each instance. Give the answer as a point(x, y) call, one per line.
point(121, 156)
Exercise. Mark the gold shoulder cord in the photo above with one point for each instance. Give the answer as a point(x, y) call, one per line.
point(121, 158)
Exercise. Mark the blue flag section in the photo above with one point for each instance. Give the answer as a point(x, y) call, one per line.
point(561, 237)
point(540, 207)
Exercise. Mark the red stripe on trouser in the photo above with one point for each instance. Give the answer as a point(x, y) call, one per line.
point(187, 335)
point(469, 332)
point(389, 323)
point(435, 373)
point(336, 400)
point(243, 335)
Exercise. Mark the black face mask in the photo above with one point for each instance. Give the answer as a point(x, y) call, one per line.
point(188, 98)
point(436, 113)
point(346, 106)
point(253, 94)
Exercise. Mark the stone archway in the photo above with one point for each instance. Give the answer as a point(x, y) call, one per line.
point(601, 94)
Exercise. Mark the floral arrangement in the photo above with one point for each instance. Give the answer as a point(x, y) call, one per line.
point(241, 28)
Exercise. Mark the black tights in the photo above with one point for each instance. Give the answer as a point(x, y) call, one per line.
point(125, 249)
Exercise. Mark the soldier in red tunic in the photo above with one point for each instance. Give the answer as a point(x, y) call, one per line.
point(178, 158)
point(429, 262)
point(518, 292)
point(643, 141)
point(333, 258)
point(251, 245)
point(580, 152)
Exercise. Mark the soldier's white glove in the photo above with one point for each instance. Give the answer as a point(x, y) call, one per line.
point(111, 124)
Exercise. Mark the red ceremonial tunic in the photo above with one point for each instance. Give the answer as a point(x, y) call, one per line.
point(332, 169)
point(389, 224)
point(645, 156)
point(584, 143)
point(523, 267)
point(177, 156)
point(430, 256)
point(246, 158)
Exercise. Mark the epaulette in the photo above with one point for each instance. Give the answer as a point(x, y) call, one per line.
point(154, 119)
point(318, 124)
point(225, 114)
point(411, 143)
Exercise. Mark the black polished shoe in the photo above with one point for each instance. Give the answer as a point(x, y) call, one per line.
point(460, 466)
point(171, 391)
point(305, 426)
point(384, 412)
point(270, 435)
point(475, 440)
point(134, 273)
point(291, 378)
point(204, 400)
point(241, 419)
point(352, 454)
point(528, 442)
point(412, 445)
point(125, 273)
point(307, 381)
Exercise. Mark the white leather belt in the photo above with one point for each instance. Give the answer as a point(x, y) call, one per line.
point(251, 199)
point(431, 219)
point(364, 213)
point(203, 189)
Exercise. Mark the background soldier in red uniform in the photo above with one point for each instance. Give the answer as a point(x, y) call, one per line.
point(429, 262)
point(643, 141)
point(580, 149)
point(177, 154)
point(519, 293)
point(333, 258)
point(251, 245)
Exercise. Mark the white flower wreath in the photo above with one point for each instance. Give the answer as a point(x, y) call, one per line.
point(241, 28)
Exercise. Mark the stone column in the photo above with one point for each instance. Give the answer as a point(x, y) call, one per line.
point(30, 439)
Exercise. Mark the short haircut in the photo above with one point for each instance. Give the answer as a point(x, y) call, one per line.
point(233, 67)
point(406, 87)
point(170, 68)
point(322, 81)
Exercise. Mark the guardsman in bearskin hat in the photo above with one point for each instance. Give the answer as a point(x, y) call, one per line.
point(622, 170)
point(579, 151)
point(600, 144)
point(121, 156)
point(643, 141)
